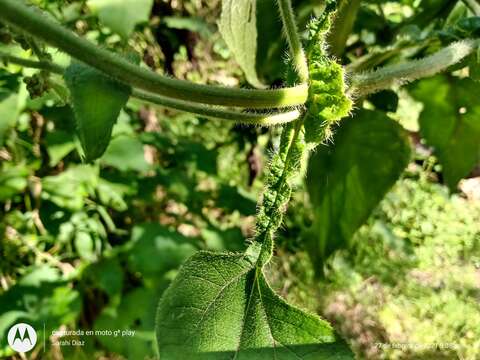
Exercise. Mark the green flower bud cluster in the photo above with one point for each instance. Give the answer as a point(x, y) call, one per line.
point(327, 102)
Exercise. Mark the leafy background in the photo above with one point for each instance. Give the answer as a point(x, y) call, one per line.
point(93, 246)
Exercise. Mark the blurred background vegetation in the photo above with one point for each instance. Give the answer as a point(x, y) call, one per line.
point(92, 246)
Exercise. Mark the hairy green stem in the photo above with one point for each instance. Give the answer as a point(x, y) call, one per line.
point(41, 65)
point(28, 19)
point(247, 118)
point(285, 165)
point(396, 75)
point(290, 27)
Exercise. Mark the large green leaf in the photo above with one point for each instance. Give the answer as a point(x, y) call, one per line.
point(122, 15)
point(97, 101)
point(220, 306)
point(450, 122)
point(348, 179)
point(238, 26)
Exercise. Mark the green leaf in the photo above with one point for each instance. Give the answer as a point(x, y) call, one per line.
point(125, 153)
point(220, 306)
point(97, 101)
point(122, 15)
point(238, 26)
point(450, 123)
point(348, 179)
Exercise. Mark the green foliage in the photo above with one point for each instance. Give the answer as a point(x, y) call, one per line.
point(122, 15)
point(349, 178)
point(410, 277)
point(97, 101)
point(452, 126)
point(238, 26)
point(96, 245)
point(229, 310)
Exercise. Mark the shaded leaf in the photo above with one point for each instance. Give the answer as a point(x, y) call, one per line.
point(134, 314)
point(450, 123)
point(97, 101)
point(238, 26)
point(220, 306)
point(41, 297)
point(348, 179)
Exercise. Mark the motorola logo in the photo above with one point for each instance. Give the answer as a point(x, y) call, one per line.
point(22, 337)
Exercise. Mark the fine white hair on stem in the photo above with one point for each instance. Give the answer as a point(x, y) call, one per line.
point(399, 74)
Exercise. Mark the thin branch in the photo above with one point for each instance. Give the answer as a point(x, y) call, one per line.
point(248, 118)
point(41, 65)
point(293, 39)
point(30, 20)
point(396, 75)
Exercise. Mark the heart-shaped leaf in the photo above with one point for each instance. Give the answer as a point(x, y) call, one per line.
point(97, 101)
point(220, 306)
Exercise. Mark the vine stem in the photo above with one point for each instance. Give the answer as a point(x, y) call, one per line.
point(293, 39)
point(399, 74)
point(285, 165)
point(30, 20)
point(247, 118)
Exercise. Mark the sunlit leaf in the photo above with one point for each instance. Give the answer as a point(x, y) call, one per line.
point(220, 306)
point(450, 123)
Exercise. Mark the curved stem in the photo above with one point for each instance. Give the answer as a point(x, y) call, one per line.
point(248, 118)
point(396, 75)
point(41, 65)
point(293, 39)
point(34, 22)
